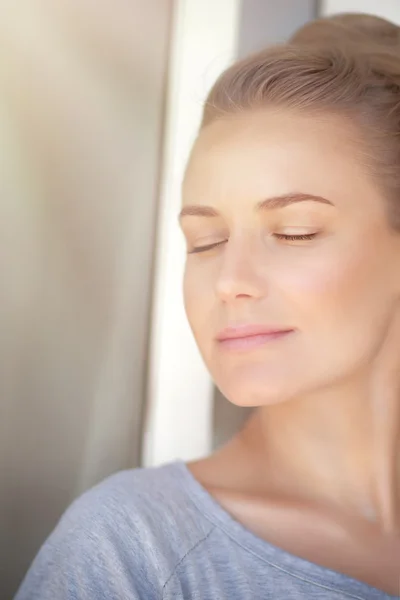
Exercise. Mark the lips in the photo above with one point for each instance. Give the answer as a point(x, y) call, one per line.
point(246, 337)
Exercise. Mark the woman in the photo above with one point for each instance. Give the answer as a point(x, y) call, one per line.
point(291, 213)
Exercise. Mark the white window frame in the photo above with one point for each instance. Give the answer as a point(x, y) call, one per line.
point(179, 410)
point(388, 9)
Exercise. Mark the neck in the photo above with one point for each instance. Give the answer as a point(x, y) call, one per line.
point(341, 447)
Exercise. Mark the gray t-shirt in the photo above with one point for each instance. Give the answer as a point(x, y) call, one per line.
point(156, 534)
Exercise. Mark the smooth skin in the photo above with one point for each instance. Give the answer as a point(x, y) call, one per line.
point(287, 228)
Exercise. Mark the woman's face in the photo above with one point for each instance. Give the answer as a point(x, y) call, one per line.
point(292, 272)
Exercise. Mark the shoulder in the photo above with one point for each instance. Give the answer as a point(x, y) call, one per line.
point(152, 501)
point(122, 538)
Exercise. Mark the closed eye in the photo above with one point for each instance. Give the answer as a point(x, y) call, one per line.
point(199, 249)
point(301, 237)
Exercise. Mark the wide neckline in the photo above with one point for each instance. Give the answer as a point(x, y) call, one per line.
point(276, 557)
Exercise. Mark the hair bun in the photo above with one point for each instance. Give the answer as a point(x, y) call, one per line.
point(349, 27)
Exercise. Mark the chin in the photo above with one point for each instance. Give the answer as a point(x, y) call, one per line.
point(254, 391)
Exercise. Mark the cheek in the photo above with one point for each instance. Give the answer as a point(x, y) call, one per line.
point(198, 296)
point(319, 282)
point(337, 289)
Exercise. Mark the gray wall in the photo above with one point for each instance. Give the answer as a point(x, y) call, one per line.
point(264, 22)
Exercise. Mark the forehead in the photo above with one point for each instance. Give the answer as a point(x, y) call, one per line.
point(273, 152)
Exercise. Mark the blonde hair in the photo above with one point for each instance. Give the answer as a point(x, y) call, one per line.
point(348, 65)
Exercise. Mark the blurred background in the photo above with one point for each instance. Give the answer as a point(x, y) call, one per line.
point(100, 101)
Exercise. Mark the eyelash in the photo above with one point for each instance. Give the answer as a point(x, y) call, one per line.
point(205, 248)
point(304, 237)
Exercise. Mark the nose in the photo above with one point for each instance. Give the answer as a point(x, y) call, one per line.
point(241, 274)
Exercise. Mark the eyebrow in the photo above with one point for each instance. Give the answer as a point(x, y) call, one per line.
point(274, 202)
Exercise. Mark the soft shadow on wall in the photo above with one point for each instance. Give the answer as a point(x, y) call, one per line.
point(81, 106)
